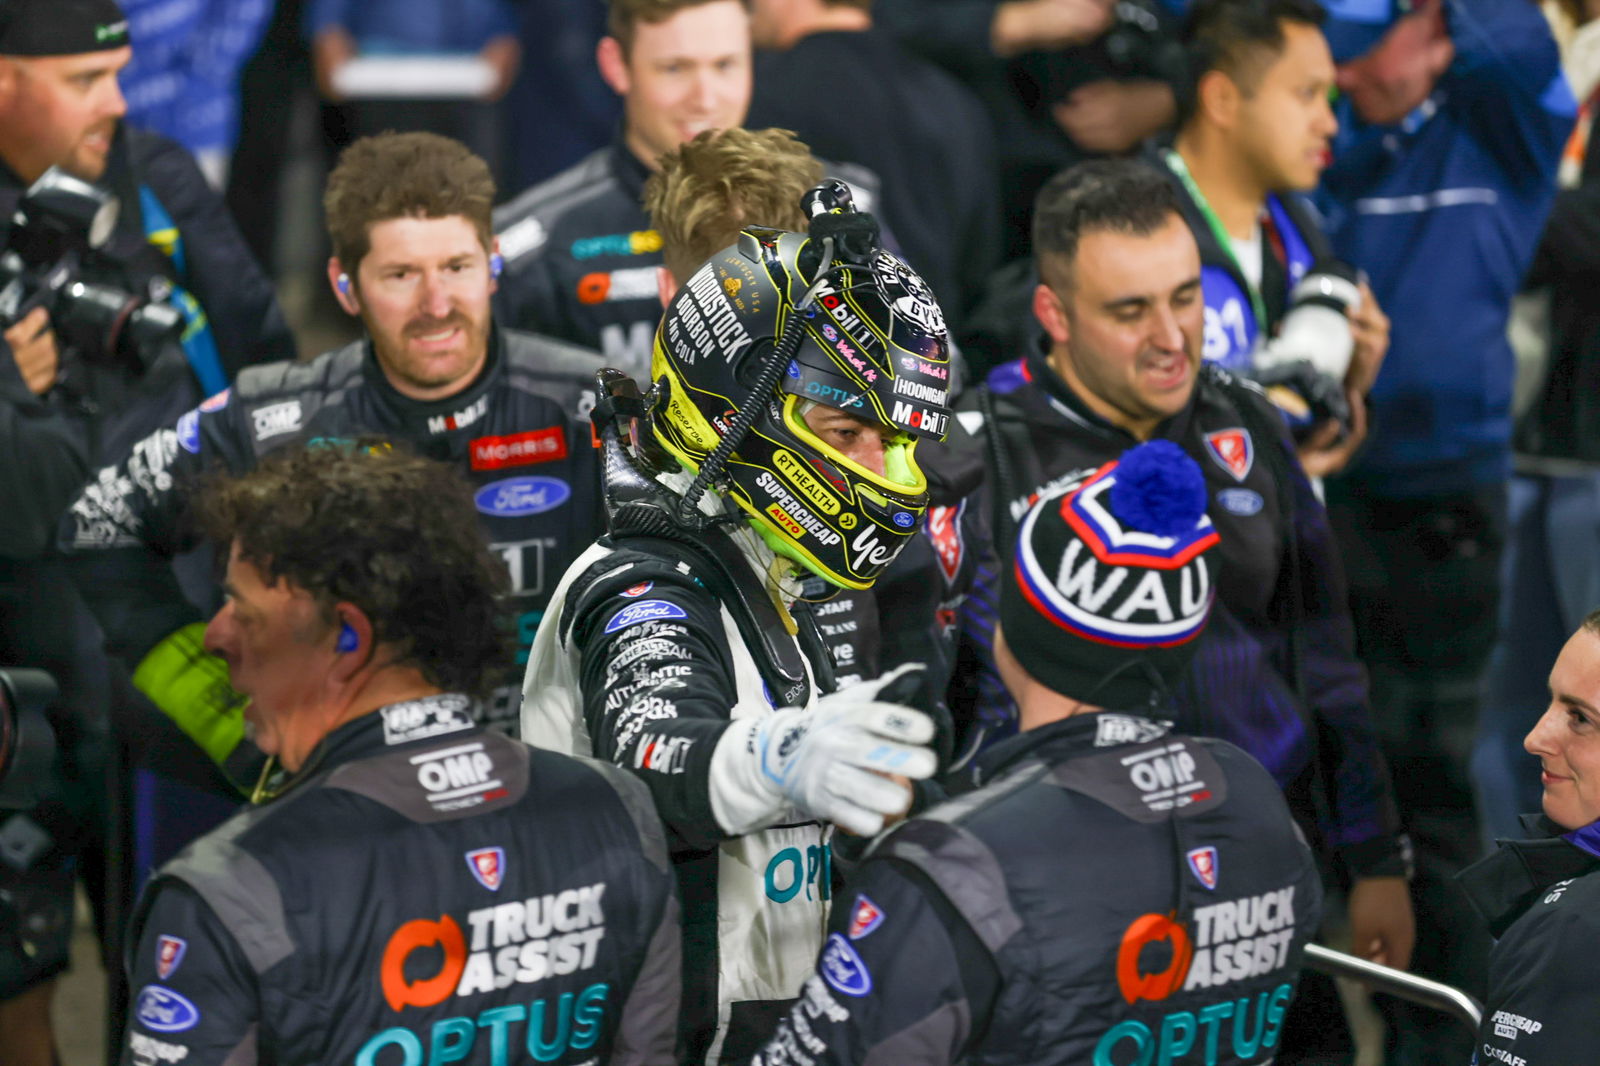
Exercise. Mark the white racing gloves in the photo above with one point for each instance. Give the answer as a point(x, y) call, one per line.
point(828, 760)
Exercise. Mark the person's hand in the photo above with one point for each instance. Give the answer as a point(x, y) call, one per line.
point(1046, 25)
point(33, 346)
point(1397, 74)
point(1325, 451)
point(844, 760)
point(503, 54)
point(1381, 926)
point(1369, 328)
point(1113, 117)
point(331, 49)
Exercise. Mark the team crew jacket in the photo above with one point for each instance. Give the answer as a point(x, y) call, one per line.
point(1241, 687)
point(520, 434)
point(581, 257)
point(1541, 898)
point(428, 892)
point(642, 666)
point(1114, 893)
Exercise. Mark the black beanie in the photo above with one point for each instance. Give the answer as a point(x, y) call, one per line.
point(1109, 585)
point(60, 27)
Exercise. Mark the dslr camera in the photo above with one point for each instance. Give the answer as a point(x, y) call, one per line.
point(1303, 367)
point(54, 259)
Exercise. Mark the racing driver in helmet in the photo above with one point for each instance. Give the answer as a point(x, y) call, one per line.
point(792, 377)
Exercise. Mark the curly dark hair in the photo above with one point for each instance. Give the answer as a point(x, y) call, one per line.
point(392, 533)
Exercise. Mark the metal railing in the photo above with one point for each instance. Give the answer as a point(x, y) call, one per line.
point(1441, 997)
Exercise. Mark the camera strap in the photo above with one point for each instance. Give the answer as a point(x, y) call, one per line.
point(1176, 164)
point(198, 341)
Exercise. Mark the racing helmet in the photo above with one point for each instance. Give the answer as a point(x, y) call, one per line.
point(772, 325)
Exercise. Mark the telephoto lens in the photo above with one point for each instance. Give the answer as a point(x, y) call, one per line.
point(1316, 328)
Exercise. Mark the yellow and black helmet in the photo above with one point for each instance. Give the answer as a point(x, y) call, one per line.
point(766, 328)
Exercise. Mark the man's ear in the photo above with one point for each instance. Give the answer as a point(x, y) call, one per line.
point(1048, 309)
point(1217, 98)
point(344, 286)
point(666, 286)
point(613, 63)
point(353, 640)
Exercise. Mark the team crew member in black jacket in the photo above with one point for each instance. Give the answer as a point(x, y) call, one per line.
point(409, 218)
point(1274, 672)
point(1541, 897)
point(776, 442)
point(1254, 137)
point(418, 882)
point(1116, 891)
point(581, 257)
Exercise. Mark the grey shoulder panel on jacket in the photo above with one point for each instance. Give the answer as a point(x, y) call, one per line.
point(523, 223)
point(329, 371)
point(238, 889)
point(553, 368)
point(635, 797)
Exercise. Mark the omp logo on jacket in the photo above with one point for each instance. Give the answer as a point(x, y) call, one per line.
point(1228, 941)
point(521, 942)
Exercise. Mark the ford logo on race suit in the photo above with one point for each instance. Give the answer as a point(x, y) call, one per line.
point(514, 497)
point(644, 611)
point(843, 968)
point(164, 1011)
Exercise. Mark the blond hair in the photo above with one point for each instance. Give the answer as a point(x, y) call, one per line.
point(711, 187)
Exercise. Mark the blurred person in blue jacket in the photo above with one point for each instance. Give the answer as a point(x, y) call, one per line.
point(183, 80)
point(1551, 572)
point(1452, 119)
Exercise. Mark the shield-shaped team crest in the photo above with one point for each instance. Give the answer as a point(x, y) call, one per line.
point(865, 918)
point(169, 953)
point(488, 865)
point(1203, 863)
point(1233, 450)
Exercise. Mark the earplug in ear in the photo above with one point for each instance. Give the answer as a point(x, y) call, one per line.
point(343, 282)
point(348, 641)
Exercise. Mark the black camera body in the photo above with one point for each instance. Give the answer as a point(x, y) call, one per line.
point(27, 744)
point(53, 260)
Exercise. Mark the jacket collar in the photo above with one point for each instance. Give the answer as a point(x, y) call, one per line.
point(629, 170)
point(1066, 738)
point(412, 723)
point(1504, 885)
point(434, 417)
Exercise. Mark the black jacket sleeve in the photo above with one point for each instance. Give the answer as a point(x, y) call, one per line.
point(658, 683)
point(195, 998)
point(128, 522)
point(46, 444)
point(902, 978)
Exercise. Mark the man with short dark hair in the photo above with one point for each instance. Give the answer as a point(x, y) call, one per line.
point(414, 879)
point(414, 259)
point(1079, 906)
point(1255, 135)
point(1120, 299)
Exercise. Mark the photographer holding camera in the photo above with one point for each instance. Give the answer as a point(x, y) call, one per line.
point(1279, 308)
point(125, 294)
